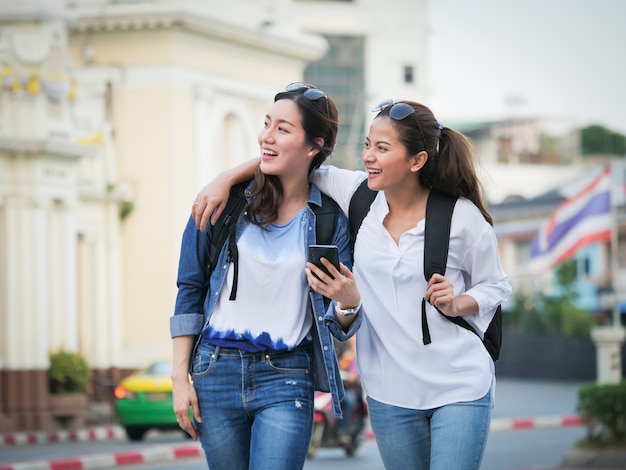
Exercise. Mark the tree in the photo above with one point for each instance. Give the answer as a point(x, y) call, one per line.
point(551, 314)
point(596, 139)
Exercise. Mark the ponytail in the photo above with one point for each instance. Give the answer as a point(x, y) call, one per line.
point(453, 170)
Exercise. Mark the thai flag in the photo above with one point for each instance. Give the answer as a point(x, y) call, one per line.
point(580, 220)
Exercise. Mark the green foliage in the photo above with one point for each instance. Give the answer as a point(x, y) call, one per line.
point(126, 209)
point(551, 314)
point(603, 407)
point(68, 373)
point(566, 274)
point(600, 140)
point(543, 314)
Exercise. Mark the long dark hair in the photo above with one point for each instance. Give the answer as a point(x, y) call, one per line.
point(450, 166)
point(320, 120)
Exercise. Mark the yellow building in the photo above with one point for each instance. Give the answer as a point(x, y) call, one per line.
point(112, 116)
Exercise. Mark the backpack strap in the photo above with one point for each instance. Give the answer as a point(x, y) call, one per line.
point(326, 217)
point(359, 207)
point(493, 335)
point(439, 209)
point(224, 229)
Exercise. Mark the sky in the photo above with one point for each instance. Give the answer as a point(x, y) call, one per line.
point(561, 59)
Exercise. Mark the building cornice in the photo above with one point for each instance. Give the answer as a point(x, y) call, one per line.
point(42, 147)
point(255, 32)
point(20, 12)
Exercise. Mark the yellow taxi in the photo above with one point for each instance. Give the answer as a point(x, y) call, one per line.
point(143, 401)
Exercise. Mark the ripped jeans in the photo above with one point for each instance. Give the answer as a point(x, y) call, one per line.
point(257, 409)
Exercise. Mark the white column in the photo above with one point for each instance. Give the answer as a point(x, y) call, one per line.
point(99, 306)
point(69, 285)
point(100, 281)
point(608, 341)
point(36, 284)
point(14, 324)
point(4, 287)
point(61, 251)
point(25, 335)
point(113, 287)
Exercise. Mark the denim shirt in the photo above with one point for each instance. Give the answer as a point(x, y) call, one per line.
point(191, 314)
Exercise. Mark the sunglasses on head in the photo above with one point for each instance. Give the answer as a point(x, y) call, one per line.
point(398, 112)
point(311, 92)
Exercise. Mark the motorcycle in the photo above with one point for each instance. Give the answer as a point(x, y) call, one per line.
point(325, 424)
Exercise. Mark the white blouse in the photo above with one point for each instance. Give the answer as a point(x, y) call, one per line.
point(395, 366)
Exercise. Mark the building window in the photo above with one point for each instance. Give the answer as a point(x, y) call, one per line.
point(583, 267)
point(408, 74)
point(341, 74)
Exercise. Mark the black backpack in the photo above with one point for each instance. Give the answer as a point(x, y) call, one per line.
point(325, 217)
point(439, 210)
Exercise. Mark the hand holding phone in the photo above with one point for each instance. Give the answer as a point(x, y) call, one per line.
point(330, 252)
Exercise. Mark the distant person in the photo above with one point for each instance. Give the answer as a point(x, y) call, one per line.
point(429, 404)
point(264, 343)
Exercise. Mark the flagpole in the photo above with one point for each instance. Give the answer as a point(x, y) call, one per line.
point(609, 339)
point(614, 253)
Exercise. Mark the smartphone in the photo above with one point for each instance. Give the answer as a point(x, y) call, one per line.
point(330, 252)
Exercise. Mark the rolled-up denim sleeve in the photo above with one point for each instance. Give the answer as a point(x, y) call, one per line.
point(335, 327)
point(191, 281)
point(185, 324)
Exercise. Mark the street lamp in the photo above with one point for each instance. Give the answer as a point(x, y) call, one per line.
point(609, 339)
point(607, 301)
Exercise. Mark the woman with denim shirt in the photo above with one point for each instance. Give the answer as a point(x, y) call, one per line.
point(429, 402)
point(261, 353)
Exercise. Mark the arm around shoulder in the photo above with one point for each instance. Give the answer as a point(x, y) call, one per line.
point(211, 200)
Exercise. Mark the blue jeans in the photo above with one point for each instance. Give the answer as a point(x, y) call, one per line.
point(257, 409)
point(451, 436)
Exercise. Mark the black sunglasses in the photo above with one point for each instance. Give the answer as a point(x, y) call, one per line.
point(400, 111)
point(311, 92)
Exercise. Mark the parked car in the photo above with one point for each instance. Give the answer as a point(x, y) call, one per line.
point(143, 401)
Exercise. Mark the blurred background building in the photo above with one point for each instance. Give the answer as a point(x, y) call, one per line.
point(114, 113)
